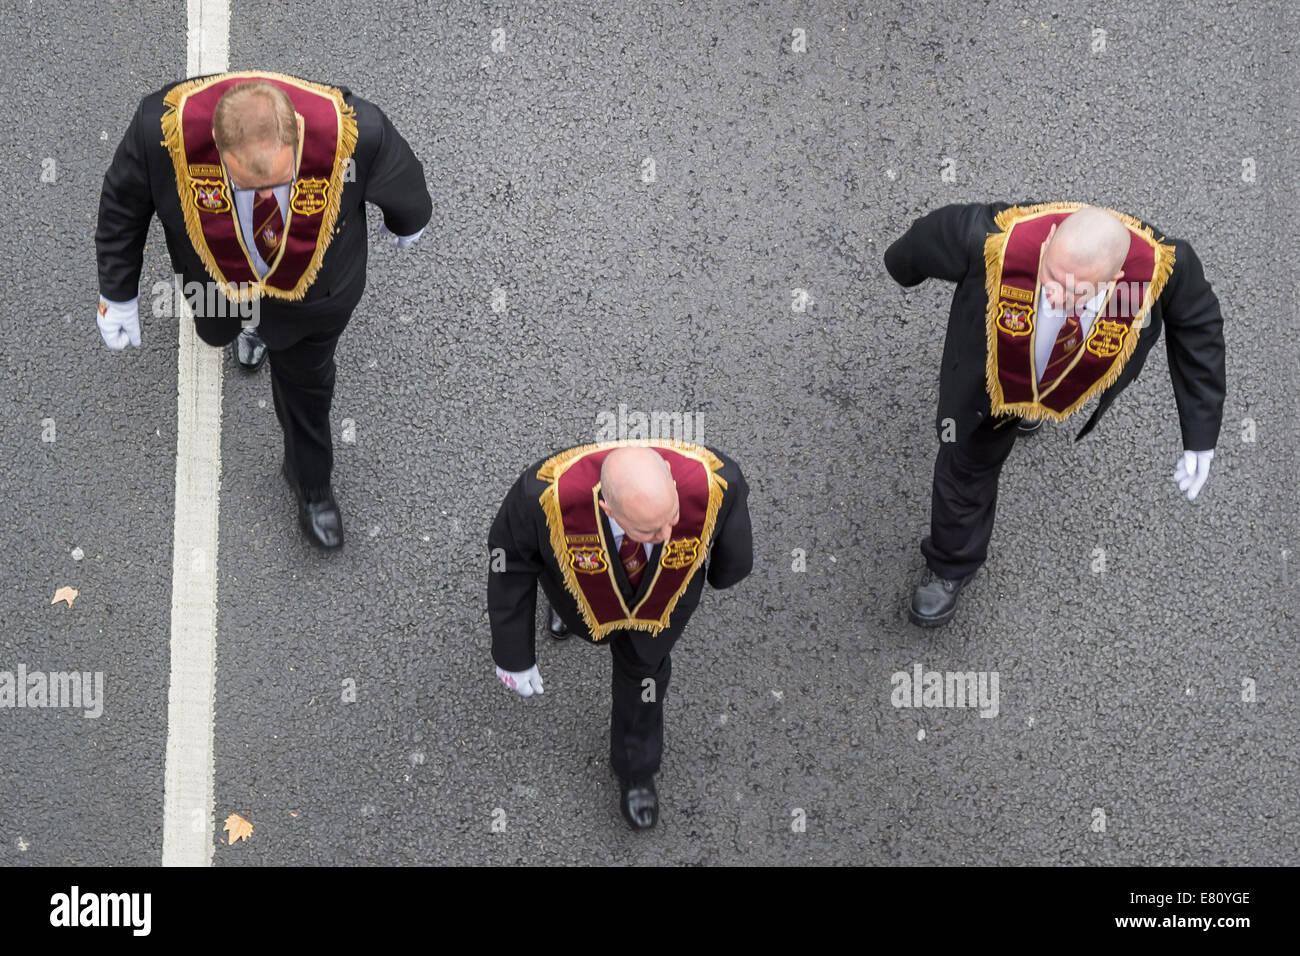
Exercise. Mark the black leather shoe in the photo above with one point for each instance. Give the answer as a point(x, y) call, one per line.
point(322, 520)
point(251, 350)
point(559, 630)
point(1027, 427)
point(935, 600)
point(640, 803)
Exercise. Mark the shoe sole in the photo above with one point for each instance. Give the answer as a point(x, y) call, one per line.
point(921, 620)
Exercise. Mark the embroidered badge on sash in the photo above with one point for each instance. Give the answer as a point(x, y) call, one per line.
point(210, 195)
point(1106, 338)
point(1019, 295)
point(205, 171)
point(586, 554)
point(1015, 318)
point(309, 196)
point(680, 554)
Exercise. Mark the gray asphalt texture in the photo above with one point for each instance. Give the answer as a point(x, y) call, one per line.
point(775, 170)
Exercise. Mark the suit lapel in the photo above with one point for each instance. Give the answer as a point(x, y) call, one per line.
point(647, 574)
point(620, 573)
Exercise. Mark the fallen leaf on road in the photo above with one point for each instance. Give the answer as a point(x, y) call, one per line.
point(64, 594)
point(238, 828)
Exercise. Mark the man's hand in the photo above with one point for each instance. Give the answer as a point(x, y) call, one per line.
point(119, 322)
point(401, 242)
point(1193, 469)
point(524, 683)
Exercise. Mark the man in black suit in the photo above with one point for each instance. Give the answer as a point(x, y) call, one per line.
point(622, 536)
point(1055, 304)
point(260, 181)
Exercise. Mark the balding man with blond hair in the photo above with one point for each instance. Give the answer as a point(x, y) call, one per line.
point(1056, 304)
point(261, 182)
point(622, 536)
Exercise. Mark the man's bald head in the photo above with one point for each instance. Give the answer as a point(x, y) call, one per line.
point(1085, 251)
point(256, 132)
point(640, 493)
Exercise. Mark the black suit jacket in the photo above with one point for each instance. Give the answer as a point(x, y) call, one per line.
point(142, 181)
point(521, 532)
point(949, 244)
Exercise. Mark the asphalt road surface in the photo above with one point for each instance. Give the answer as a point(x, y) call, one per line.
point(626, 199)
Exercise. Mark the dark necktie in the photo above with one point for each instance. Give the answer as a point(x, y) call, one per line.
point(268, 227)
point(1067, 343)
point(632, 554)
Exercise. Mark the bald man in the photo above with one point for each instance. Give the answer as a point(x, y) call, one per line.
point(622, 536)
point(260, 181)
point(1056, 304)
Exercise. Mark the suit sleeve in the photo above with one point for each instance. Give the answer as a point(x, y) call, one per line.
point(125, 208)
point(396, 182)
point(1194, 343)
point(732, 557)
point(936, 246)
point(514, 562)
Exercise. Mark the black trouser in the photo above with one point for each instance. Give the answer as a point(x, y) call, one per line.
point(636, 729)
point(300, 342)
point(964, 498)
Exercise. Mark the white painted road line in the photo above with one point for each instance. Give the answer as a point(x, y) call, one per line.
point(188, 808)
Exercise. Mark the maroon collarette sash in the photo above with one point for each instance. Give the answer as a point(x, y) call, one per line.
point(572, 509)
point(328, 135)
point(1012, 258)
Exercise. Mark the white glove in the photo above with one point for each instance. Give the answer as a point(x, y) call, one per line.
point(524, 683)
point(119, 322)
point(401, 242)
point(1192, 471)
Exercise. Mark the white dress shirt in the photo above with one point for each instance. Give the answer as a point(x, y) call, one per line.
point(244, 209)
point(618, 538)
point(1050, 321)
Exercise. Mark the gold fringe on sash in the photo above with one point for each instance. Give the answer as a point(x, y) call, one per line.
point(994, 250)
point(555, 467)
point(174, 140)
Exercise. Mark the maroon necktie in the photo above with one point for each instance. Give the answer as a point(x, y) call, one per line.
point(268, 227)
point(1067, 343)
point(632, 554)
